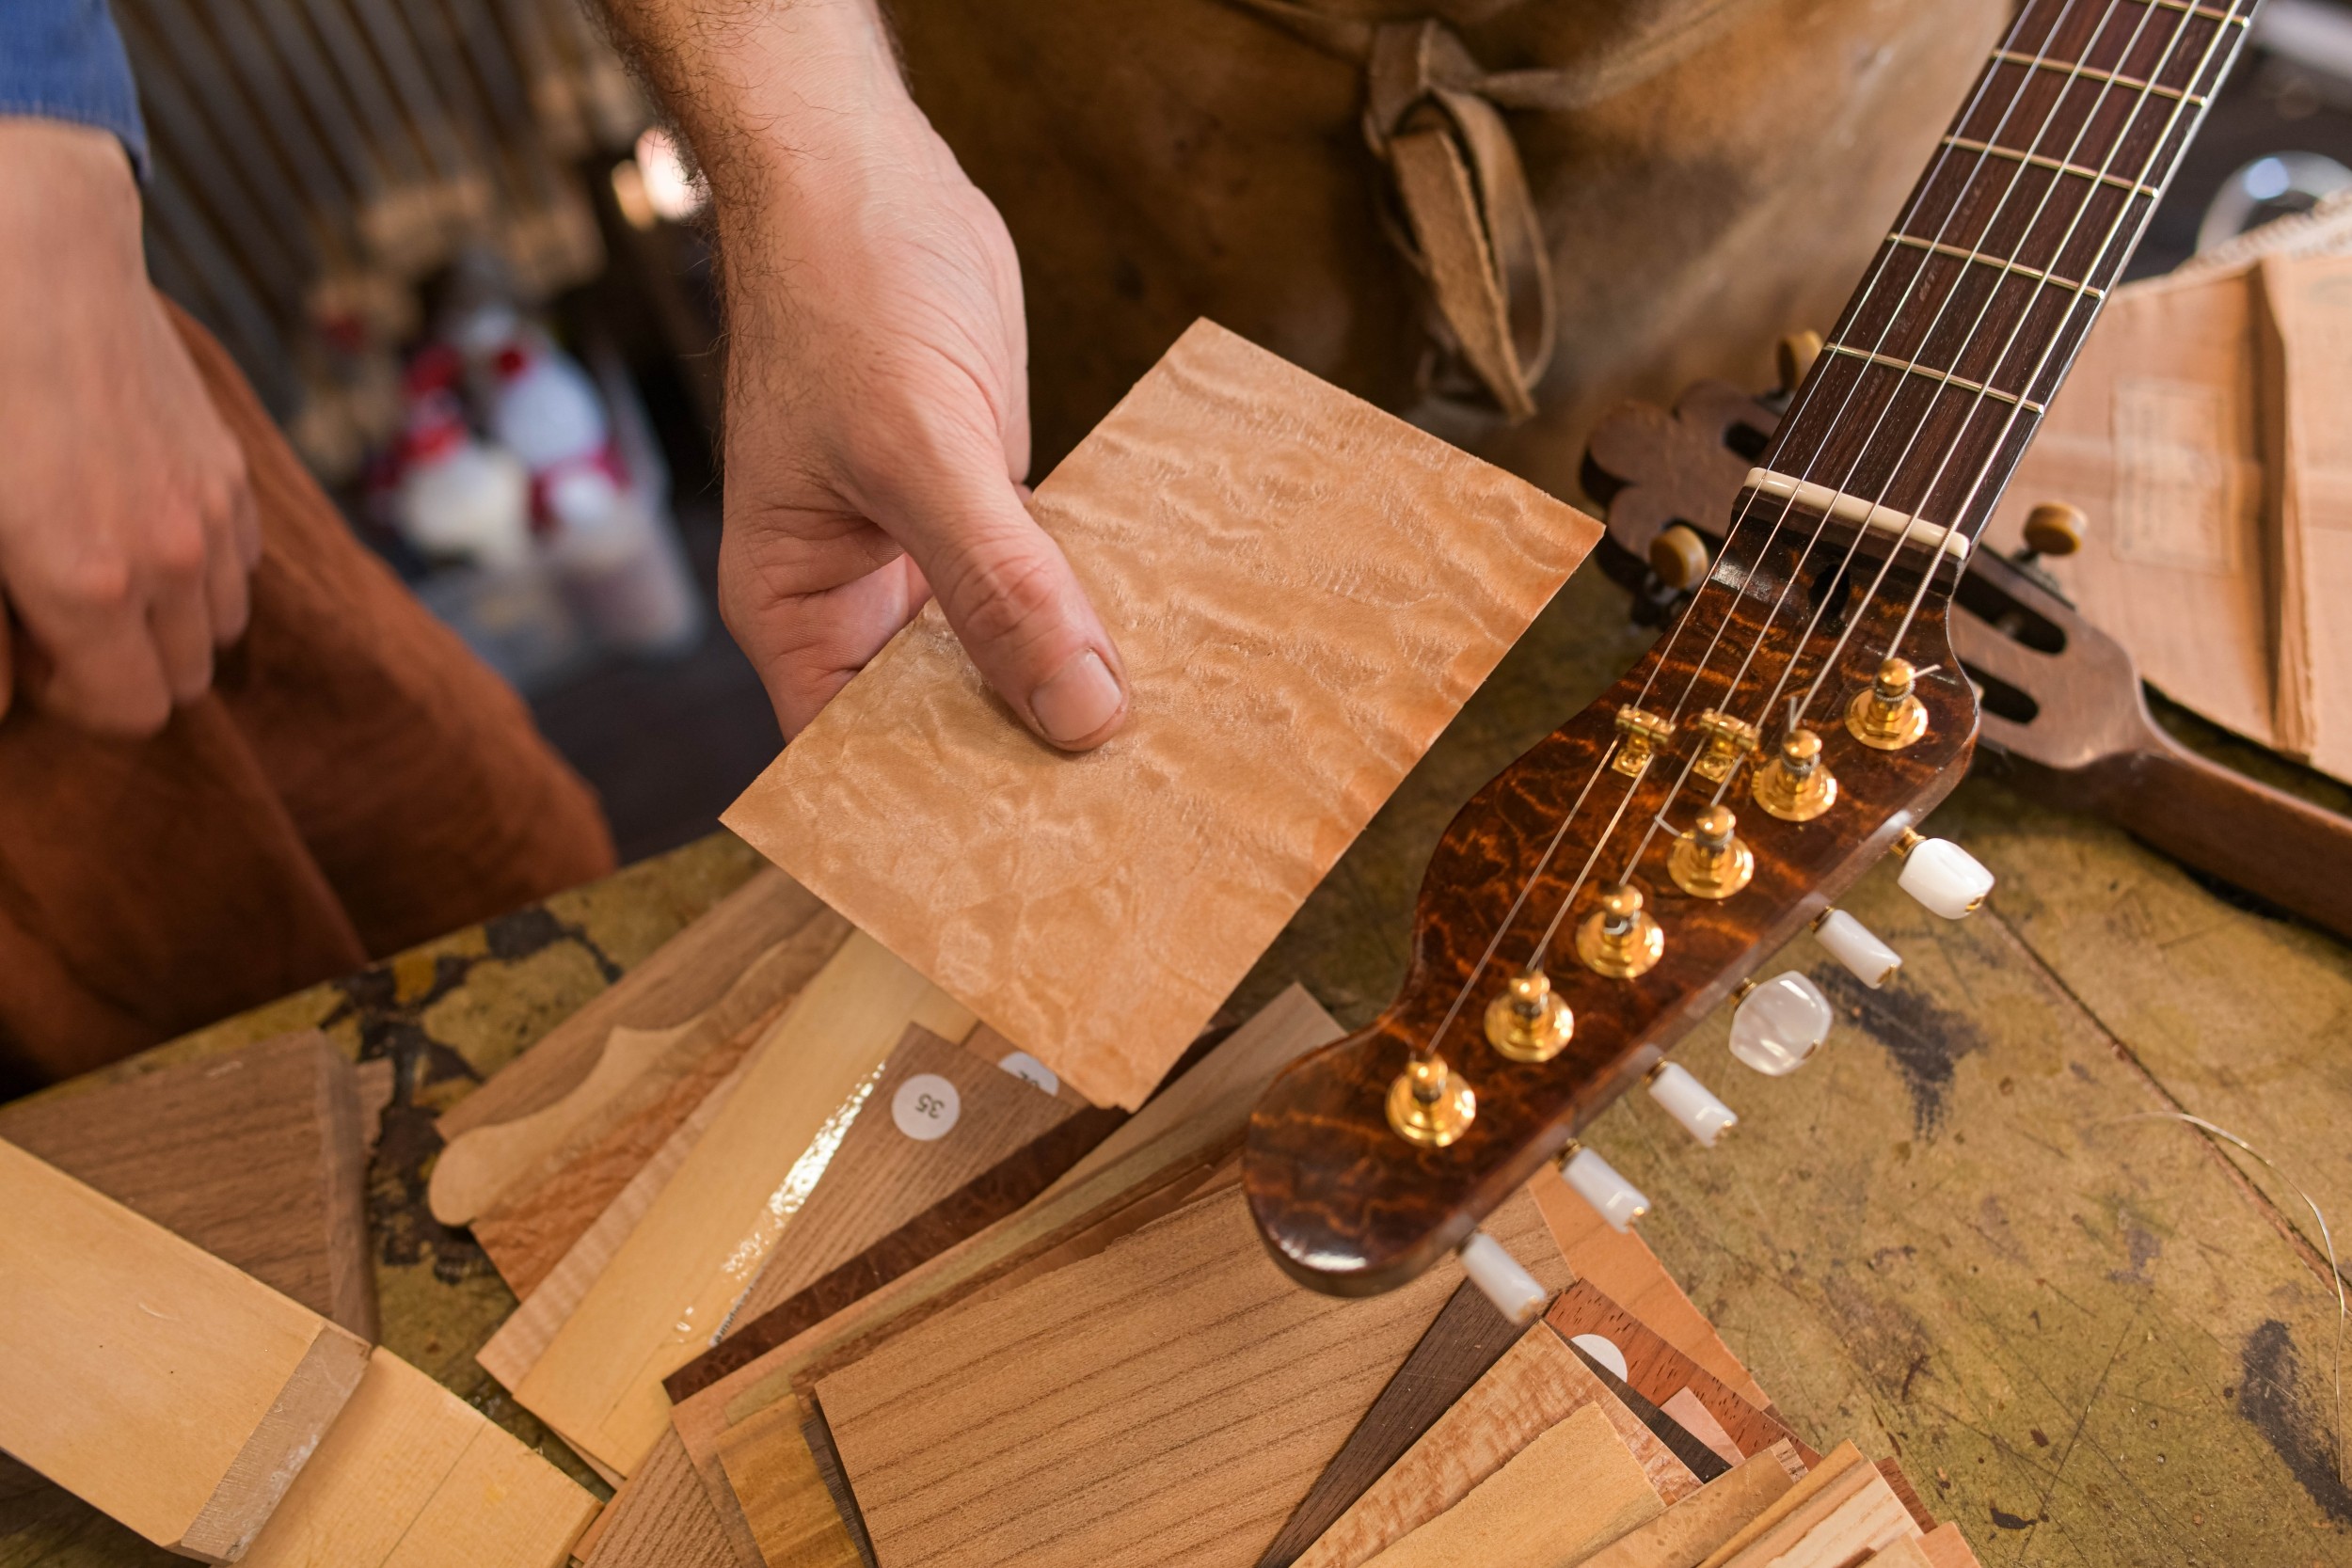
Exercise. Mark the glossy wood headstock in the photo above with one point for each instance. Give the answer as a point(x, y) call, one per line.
point(1349, 1206)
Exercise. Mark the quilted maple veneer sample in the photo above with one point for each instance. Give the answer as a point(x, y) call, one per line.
point(1304, 590)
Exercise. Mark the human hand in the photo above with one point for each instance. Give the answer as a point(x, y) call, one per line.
point(127, 531)
point(877, 399)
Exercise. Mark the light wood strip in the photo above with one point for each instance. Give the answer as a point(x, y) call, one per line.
point(1685, 1534)
point(1570, 1492)
point(151, 1378)
point(689, 1259)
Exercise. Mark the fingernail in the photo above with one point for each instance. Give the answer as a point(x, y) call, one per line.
point(1076, 699)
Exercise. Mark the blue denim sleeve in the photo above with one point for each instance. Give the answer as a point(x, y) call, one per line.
point(62, 59)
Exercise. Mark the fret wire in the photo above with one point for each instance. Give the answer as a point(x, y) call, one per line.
point(2018, 269)
point(1912, 368)
point(2196, 13)
point(2088, 74)
point(2039, 160)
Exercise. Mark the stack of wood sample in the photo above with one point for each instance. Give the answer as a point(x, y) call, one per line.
point(2201, 431)
point(234, 1416)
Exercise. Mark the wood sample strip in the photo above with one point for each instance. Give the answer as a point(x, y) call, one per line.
point(1941, 1547)
point(633, 1072)
point(689, 1260)
point(993, 1195)
point(1685, 1534)
point(659, 1518)
point(411, 1476)
point(1468, 1337)
point(1659, 1372)
point(1836, 1477)
point(524, 1337)
point(151, 1378)
point(1620, 1265)
point(1855, 1515)
point(1539, 1383)
point(1571, 1490)
point(1304, 590)
point(1704, 1463)
point(686, 975)
point(1171, 1398)
point(259, 1157)
point(529, 1233)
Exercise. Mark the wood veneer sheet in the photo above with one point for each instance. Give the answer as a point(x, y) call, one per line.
point(1167, 1400)
point(1570, 1492)
point(1304, 590)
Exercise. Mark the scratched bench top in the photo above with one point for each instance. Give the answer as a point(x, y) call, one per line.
point(2092, 1338)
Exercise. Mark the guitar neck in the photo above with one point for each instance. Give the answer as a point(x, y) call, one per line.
point(1940, 369)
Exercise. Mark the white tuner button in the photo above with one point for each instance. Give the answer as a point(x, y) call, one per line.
point(1690, 1102)
point(1850, 943)
point(1780, 1024)
point(1515, 1291)
point(1596, 1181)
point(1946, 879)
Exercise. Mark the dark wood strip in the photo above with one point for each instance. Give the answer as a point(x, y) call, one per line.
point(1466, 1339)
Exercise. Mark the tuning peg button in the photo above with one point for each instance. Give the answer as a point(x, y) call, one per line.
point(1852, 944)
point(1596, 1181)
point(1691, 1102)
point(1941, 874)
point(1780, 1024)
point(1517, 1294)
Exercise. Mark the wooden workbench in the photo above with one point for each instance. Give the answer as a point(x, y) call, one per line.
point(2091, 1339)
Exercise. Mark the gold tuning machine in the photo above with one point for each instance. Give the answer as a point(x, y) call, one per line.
point(1621, 939)
point(1796, 785)
point(1429, 1104)
point(1529, 1022)
point(1729, 742)
point(1643, 734)
point(1709, 860)
point(1887, 715)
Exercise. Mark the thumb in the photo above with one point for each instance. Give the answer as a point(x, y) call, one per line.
point(1010, 596)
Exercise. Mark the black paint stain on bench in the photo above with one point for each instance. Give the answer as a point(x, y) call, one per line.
point(1925, 1040)
point(2267, 1397)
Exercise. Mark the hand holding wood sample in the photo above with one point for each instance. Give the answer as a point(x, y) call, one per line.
point(1304, 590)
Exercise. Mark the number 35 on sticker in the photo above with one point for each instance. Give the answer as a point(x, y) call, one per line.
point(926, 1107)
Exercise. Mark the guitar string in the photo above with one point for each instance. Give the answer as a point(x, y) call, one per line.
point(1968, 501)
point(1658, 819)
point(1829, 662)
point(1437, 1036)
point(2155, 153)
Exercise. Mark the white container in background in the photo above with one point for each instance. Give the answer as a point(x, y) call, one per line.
point(459, 498)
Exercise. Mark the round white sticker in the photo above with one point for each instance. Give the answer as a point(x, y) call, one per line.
point(926, 1107)
point(1029, 1071)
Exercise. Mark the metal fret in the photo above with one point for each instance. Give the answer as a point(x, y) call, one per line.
point(2227, 19)
point(2085, 73)
point(2019, 268)
point(2040, 161)
point(1911, 367)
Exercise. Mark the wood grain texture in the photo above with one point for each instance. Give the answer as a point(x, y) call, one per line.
point(1836, 1476)
point(633, 1073)
point(524, 1337)
point(1168, 1400)
point(1941, 1547)
point(1537, 1384)
point(1569, 1492)
point(258, 1157)
point(1464, 1340)
point(1620, 1265)
point(673, 1282)
point(881, 1179)
point(1685, 1533)
point(2304, 350)
point(1303, 590)
point(410, 1475)
point(659, 1518)
point(149, 1378)
point(529, 1233)
point(1658, 1370)
point(686, 975)
point(1852, 1517)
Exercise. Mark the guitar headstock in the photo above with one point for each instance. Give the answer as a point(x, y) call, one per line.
point(1618, 882)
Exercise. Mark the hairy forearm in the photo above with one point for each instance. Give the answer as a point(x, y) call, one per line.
point(777, 98)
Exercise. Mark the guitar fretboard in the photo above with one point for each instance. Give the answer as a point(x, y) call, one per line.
point(1941, 367)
